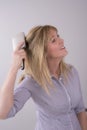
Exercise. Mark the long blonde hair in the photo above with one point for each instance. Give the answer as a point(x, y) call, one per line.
point(36, 65)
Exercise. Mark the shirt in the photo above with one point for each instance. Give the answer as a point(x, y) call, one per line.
point(57, 110)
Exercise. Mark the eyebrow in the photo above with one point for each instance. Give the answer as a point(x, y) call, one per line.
point(53, 36)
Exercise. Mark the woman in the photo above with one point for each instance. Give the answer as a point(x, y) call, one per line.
point(53, 85)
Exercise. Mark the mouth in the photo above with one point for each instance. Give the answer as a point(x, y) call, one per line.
point(63, 47)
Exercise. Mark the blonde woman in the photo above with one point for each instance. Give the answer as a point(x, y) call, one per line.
point(53, 85)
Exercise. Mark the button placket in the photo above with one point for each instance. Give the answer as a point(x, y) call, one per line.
point(68, 97)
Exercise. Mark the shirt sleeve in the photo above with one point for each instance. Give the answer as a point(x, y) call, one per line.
point(21, 95)
point(80, 107)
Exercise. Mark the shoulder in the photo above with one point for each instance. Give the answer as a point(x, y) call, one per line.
point(73, 73)
point(28, 79)
point(72, 69)
point(28, 82)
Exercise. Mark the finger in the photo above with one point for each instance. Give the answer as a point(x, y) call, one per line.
point(21, 53)
point(19, 46)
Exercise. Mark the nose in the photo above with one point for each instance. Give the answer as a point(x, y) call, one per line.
point(61, 41)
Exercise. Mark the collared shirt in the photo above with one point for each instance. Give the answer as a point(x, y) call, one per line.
point(57, 111)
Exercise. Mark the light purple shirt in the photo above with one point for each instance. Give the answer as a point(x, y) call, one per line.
point(56, 111)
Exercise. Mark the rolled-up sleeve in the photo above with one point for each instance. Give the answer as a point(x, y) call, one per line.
point(21, 95)
point(80, 106)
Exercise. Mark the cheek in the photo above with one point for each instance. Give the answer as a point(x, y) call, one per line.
point(52, 51)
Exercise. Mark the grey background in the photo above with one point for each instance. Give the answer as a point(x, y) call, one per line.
point(69, 16)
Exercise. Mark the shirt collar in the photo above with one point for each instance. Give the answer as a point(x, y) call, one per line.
point(59, 78)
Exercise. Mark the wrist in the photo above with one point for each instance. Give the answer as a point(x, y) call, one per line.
point(13, 69)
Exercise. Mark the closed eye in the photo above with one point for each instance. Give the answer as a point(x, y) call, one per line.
point(58, 35)
point(53, 40)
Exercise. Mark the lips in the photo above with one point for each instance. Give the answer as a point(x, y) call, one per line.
point(63, 47)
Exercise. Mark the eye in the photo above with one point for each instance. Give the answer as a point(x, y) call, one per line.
point(53, 40)
point(58, 35)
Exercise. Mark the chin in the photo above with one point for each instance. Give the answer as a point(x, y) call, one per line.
point(64, 55)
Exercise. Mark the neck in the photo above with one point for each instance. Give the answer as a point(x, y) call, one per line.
point(53, 65)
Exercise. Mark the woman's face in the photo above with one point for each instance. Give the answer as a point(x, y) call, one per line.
point(55, 46)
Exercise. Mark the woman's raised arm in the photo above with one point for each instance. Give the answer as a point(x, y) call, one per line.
point(7, 89)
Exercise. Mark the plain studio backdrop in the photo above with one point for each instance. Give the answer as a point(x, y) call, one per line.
point(69, 16)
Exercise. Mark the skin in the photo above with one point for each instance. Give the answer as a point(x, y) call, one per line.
point(55, 52)
point(82, 117)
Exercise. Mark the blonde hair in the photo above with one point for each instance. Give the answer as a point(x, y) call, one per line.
point(36, 65)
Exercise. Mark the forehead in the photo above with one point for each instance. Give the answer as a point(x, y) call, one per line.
point(52, 33)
